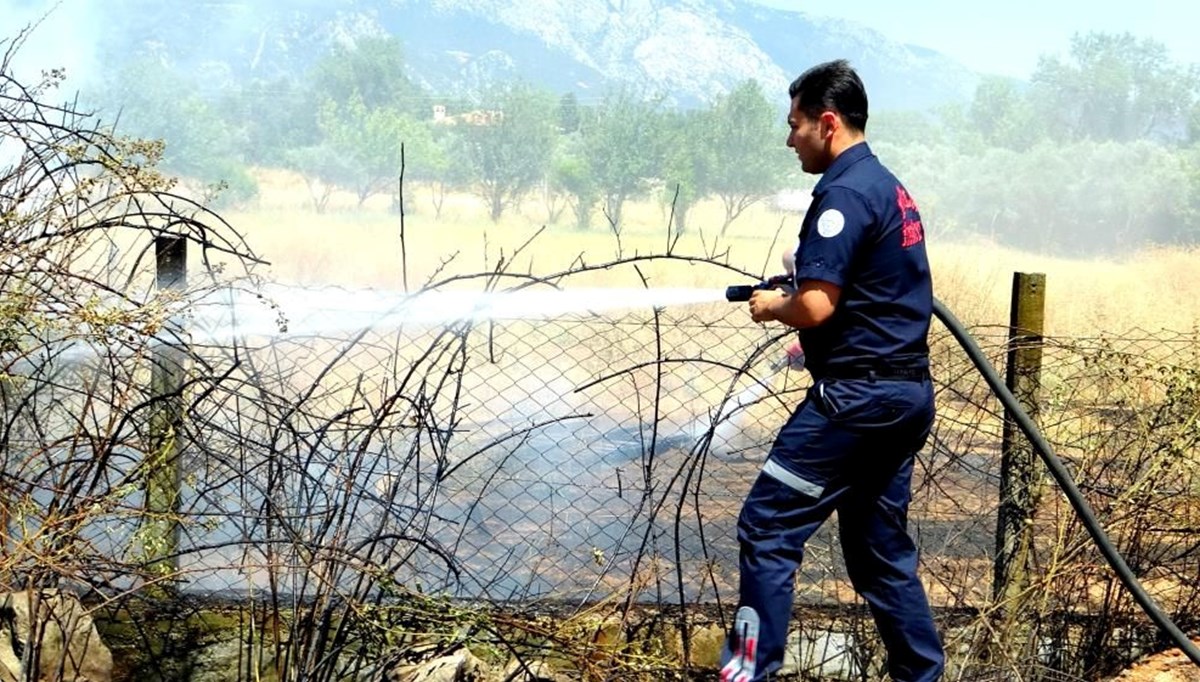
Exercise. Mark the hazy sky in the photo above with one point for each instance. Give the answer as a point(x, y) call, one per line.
point(1007, 37)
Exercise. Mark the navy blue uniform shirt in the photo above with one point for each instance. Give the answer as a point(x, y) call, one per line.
point(863, 233)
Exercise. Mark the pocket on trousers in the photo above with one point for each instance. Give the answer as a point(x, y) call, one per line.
point(860, 402)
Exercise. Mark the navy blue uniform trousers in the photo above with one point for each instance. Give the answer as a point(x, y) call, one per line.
point(848, 447)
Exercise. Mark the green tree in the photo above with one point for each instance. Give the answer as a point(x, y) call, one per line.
point(444, 169)
point(1074, 198)
point(555, 197)
point(746, 135)
point(510, 152)
point(1116, 87)
point(571, 173)
point(1003, 115)
point(156, 102)
point(368, 143)
point(272, 117)
point(322, 168)
point(373, 68)
point(1190, 224)
point(623, 142)
point(687, 165)
point(568, 113)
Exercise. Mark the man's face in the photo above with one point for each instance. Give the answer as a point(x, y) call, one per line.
point(808, 138)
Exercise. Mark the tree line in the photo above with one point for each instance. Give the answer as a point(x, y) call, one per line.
point(346, 125)
point(1097, 151)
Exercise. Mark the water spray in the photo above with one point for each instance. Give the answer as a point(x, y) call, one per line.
point(226, 314)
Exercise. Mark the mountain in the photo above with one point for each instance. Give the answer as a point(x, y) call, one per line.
point(897, 76)
point(689, 51)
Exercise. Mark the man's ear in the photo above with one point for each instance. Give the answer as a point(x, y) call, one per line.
point(830, 123)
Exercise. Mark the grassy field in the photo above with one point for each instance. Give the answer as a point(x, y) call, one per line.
point(360, 247)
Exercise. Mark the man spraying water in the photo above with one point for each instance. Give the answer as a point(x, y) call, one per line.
point(861, 296)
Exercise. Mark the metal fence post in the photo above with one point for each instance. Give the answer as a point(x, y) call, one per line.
point(1020, 475)
point(164, 475)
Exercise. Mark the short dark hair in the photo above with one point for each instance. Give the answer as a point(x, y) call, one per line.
point(832, 86)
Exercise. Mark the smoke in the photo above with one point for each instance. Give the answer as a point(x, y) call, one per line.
point(60, 34)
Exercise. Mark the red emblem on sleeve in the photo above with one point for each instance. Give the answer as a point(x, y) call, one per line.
point(911, 231)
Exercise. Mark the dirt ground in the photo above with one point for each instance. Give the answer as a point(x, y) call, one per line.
point(1168, 666)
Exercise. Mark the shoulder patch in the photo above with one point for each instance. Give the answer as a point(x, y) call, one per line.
point(831, 223)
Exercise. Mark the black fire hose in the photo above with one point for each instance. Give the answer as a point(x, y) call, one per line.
point(1057, 469)
point(1063, 477)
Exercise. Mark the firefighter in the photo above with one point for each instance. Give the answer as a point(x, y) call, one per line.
point(862, 301)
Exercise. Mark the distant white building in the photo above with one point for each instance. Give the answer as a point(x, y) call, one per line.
point(479, 117)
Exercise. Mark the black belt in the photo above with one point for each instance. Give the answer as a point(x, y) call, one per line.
point(917, 374)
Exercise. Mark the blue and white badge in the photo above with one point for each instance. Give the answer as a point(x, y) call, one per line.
point(831, 223)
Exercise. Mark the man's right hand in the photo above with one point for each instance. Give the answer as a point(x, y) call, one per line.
point(763, 304)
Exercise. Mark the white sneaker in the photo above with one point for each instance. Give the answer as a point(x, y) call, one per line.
point(743, 646)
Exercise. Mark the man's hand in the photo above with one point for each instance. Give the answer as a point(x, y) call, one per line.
point(810, 306)
point(762, 304)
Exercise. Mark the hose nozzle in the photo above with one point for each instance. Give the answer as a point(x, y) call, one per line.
point(740, 293)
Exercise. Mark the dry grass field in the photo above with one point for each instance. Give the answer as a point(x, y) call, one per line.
point(360, 247)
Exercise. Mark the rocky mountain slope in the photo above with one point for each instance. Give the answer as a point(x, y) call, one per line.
point(687, 50)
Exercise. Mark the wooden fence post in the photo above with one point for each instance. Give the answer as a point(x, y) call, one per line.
point(1020, 470)
point(164, 468)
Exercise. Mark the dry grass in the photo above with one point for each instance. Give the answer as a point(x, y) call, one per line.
point(1152, 290)
point(353, 246)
